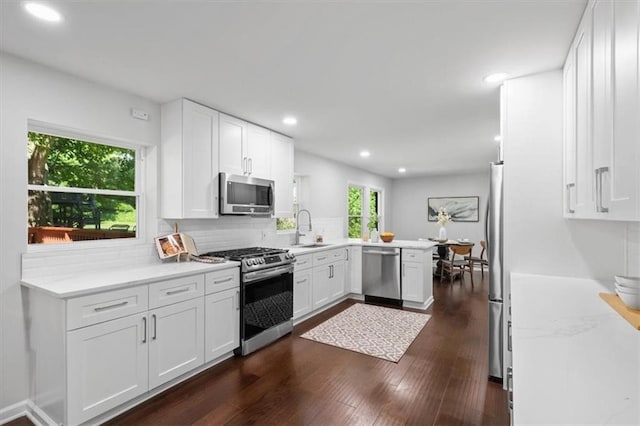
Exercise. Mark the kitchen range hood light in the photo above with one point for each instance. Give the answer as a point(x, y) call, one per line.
point(43, 12)
point(365, 154)
point(402, 170)
point(290, 121)
point(496, 78)
point(497, 138)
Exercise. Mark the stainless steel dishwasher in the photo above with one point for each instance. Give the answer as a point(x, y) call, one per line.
point(381, 273)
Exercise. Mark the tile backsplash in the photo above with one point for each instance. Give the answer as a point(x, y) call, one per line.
point(633, 250)
point(208, 234)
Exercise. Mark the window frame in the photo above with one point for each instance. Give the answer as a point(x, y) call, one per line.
point(138, 193)
point(296, 206)
point(366, 195)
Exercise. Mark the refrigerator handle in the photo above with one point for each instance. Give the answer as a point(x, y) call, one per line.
point(486, 224)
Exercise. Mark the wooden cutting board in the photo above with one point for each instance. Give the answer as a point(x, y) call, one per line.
point(631, 315)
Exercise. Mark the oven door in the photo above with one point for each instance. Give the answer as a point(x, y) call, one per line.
point(267, 299)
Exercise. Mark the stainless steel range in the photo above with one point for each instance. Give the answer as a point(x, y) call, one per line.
point(266, 295)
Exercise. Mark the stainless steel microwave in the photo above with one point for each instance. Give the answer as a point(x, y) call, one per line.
point(245, 195)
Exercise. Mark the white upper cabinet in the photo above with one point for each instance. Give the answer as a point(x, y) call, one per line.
point(245, 149)
point(602, 114)
point(622, 179)
point(188, 161)
point(282, 173)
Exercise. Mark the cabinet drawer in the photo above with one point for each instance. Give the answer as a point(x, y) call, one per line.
point(412, 255)
point(165, 293)
point(303, 262)
point(96, 308)
point(222, 280)
point(328, 256)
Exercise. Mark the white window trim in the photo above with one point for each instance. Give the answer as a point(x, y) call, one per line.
point(139, 185)
point(366, 194)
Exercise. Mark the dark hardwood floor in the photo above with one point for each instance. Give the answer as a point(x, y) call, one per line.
point(441, 379)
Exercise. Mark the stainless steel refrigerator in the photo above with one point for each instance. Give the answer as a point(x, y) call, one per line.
point(494, 237)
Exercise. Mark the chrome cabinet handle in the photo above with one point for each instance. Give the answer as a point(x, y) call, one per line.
point(144, 326)
point(569, 187)
point(509, 388)
point(403, 270)
point(155, 324)
point(115, 305)
point(237, 300)
point(223, 281)
point(320, 258)
point(181, 290)
point(244, 165)
point(599, 172)
point(509, 347)
point(347, 254)
point(250, 160)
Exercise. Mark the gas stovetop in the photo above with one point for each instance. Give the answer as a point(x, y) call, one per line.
point(256, 258)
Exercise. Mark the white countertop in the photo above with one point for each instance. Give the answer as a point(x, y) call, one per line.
point(407, 244)
point(67, 286)
point(575, 360)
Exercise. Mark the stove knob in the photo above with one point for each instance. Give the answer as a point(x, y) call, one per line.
point(251, 262)
point(262, 260)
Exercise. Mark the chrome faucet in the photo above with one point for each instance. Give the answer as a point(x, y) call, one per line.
point(298, 234)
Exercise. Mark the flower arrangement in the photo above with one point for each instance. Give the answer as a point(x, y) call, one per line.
point(443, 216)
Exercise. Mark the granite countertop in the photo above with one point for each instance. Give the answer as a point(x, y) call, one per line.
point(575, 360)
point(67, 286)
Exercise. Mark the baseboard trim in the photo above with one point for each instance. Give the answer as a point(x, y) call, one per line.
point(13, 412)
point(417, 305)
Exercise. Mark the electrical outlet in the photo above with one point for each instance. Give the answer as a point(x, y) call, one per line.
point(139, 114)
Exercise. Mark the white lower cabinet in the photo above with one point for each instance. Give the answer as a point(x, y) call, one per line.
point(302, 293)
point(117, 345)
point(416, 278)
point(106, 366)
point(336, 281)
point(353, 270)
point(328, 276)
point(176, 340)
point(222, 323)
point(320, 290)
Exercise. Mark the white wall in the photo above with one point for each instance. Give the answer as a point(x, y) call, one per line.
point(326, 195)
point(30, 91)
point(537, 237)
point(409, 205)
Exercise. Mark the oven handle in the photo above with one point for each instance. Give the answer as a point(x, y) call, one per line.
point(250, 277)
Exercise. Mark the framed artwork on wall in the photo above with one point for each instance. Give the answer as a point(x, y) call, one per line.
point(461, 209)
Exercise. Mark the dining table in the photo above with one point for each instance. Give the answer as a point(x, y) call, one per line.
point(442, 248)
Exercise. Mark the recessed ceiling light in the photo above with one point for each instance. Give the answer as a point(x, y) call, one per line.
point(496, 78)
point(402, 170)
point(43, 12)
point(365, 154)
point(497, 138)
point(290, 121)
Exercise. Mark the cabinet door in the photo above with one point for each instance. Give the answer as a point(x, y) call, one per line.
point(336, 280)
point(320, 285)
point(602, 19)
point(412, 285)
point(222, 323)
point(200, 158)
point(624, 171)
point(584, 184)
point(282, 174)
point(302, 293)
point(569, 119)
point(233, 136)
point(258, 152)
point(106, 366)
point(176, 340)
point(355, 272)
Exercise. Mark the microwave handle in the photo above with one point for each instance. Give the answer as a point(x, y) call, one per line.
point(271, 191)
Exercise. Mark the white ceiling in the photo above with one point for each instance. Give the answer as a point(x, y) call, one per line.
point(402, 79)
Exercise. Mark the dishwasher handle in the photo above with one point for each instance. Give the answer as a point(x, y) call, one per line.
point(382, 253)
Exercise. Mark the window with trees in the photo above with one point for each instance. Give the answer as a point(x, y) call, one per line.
point(364, 210)
point(80, 190)
point(289, 223)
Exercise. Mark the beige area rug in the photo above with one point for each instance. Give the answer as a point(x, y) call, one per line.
point(372, 330)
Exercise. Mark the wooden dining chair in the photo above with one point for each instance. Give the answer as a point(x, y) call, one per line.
point(460, 265)
point(481, 260)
